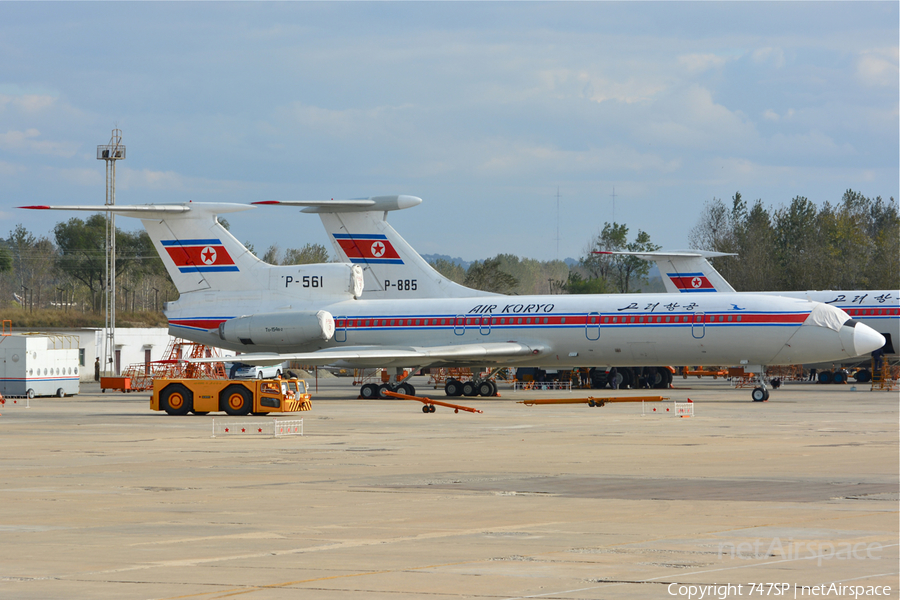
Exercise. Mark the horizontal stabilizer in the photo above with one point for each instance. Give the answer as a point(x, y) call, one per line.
point(149, 211)
point(375, 203)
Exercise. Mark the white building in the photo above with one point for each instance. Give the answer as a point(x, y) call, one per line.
point(134, 345)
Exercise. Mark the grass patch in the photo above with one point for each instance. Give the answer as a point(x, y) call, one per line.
point(46, 318)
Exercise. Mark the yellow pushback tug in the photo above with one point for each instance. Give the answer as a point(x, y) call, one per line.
point(233, 396)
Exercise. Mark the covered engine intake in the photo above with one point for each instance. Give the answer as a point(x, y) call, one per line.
point(279, 329)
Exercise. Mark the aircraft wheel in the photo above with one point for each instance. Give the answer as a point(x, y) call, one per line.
point(236, 400)
point(405, 388)
point(493, 388)
point(384, 388)
point(176, 399)
point(826, 377)
point(627, 378)
point(453, 388)
point(369, 391)
point(485, 389)
point(863, 376)
point(469, 389)
point(759, 394)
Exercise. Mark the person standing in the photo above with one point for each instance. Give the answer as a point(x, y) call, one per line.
point(97, 369)
point(613, 377)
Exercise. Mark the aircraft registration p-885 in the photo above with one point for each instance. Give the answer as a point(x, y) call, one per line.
point(319, 314)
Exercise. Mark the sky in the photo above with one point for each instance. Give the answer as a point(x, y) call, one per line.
point(634, 112)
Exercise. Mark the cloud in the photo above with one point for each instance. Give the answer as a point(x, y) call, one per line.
point(568, 83)
point(879, 67)
point(171, 181)
point(775, 56)
point(507, 157)
point(691, 118)
point(10, 168)
point(771, 115)
point(19, 141)
point(697, 63)
point(29, 103)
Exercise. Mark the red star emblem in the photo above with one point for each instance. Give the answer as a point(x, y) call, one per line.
point(208, 255)
point(377, 249)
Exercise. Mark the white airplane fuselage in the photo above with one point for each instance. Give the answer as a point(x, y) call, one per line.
point(563, 330)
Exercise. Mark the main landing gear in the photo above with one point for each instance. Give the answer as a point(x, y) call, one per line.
point(476, 387)
point(373, 390)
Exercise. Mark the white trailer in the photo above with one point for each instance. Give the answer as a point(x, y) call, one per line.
point(38, 365)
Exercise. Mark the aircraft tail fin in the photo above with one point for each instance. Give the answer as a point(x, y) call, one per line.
point(360, 234)
point(197, 251)
point(686, 271)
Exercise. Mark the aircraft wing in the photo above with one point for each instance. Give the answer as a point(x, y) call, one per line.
point(396, 356)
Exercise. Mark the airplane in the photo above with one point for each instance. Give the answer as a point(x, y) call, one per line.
point(317, 314)
point(690, 272)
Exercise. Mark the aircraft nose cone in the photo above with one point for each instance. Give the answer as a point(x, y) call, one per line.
point(866, 339)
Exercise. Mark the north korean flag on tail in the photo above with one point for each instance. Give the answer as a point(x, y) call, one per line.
point(691, 282)
point(199, 256)
point(368, 248)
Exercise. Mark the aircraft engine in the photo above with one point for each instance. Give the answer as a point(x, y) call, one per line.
point(279, 329)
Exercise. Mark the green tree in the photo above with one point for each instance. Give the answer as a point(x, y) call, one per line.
point(5, 259)
point(308, 254)
point(82, 253)
point(621, 272)
point(451, 270)
point(488, 276)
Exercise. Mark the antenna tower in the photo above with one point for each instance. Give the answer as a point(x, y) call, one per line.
point(110, 153)
point(557, 222)
point(613, 195)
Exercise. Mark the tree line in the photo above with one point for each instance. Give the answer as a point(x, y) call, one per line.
point(853, 244)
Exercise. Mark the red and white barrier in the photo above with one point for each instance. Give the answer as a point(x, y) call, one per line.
point(273, 428)
point(678, 409)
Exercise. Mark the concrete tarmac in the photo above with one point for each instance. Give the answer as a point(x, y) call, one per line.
point(102, 498)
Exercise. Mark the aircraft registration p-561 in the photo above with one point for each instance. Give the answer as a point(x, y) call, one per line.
point(317, 314)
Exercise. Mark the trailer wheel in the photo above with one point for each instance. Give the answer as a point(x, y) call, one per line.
point(176, 399)
point(236, 400)
point(29, 393)
point(60, 393)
